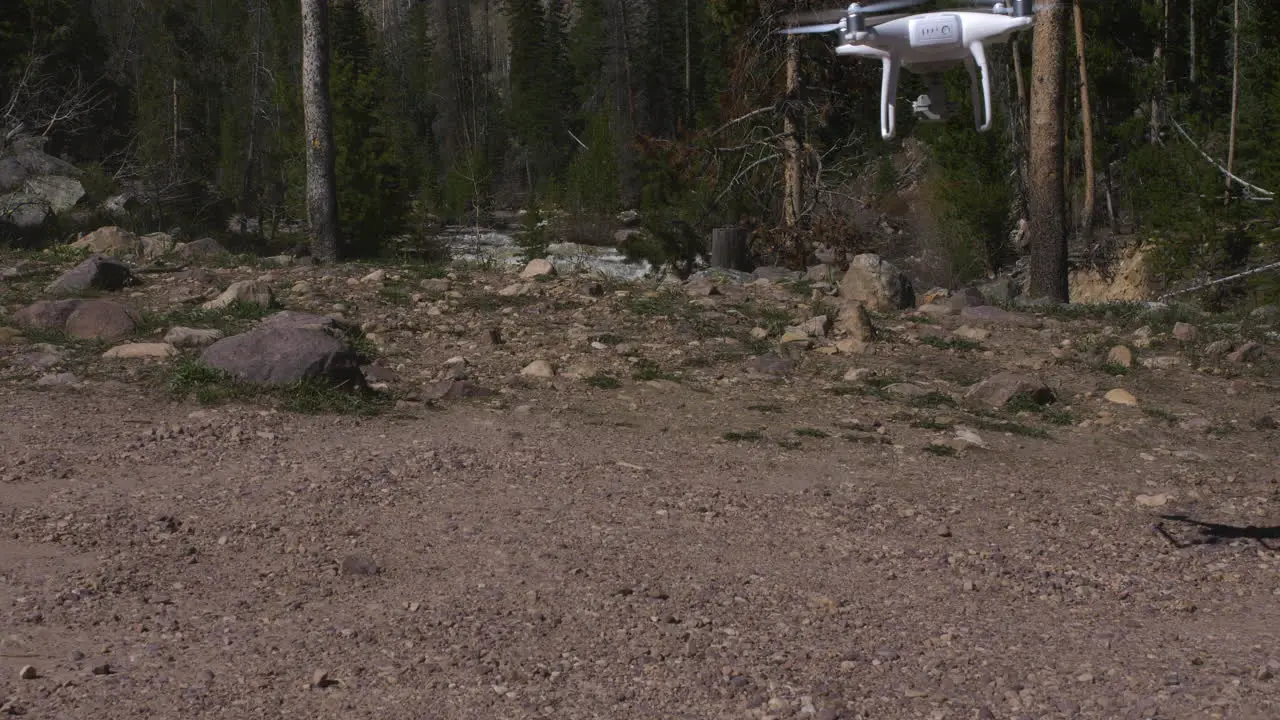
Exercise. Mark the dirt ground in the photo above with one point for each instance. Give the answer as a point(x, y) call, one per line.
point(657, 532)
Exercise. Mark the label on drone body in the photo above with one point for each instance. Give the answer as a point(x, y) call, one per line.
point(935, 30)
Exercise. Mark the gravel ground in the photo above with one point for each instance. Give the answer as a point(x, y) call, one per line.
point(713, 544)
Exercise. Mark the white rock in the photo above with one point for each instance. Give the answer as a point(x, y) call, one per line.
point(539, 369)
point(540, 267)
point(376, 276)
point(137, 351)
point(191, 337)
point(250, 292)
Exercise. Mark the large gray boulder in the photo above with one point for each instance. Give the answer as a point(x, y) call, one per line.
point(281, 354)
point(102, 320)
point(24, 210)
point(97, 272)
point(46, 314)
point(61, 193)
point(877, 284)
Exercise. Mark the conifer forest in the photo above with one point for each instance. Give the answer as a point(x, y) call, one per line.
point(695, 113)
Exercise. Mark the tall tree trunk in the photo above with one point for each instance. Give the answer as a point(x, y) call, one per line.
point(1086, 115)
point(1048, 222)
point(1157, 57)
point(1235, 95)
point(322, 186)
point(1191, 43)
point(792, 178)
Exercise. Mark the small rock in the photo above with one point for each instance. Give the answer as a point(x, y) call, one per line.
point(185, 337)
point(702, 286)
point(517, 290)
point(772, 365)
point(858, 374)
point(250, 292)
point(965, 332)
point(10, 336)
point(594, 289)
point(816, 326)
point(968, 297)
point(855, 321)
point(103, 669)
point(539, 369)
point(138, 351)
point(1218, 348)
point(1120, 355)
point(905, 391)
point(492, 336)
point(65, 379)
point(359, 565)
point(320, 679)
point(997, 390)
point(28, 672)
point(935, 311)
point(1247, 352)
point(1120, 396)
point(1163, 362)
point(1185, 332)
point(539, 267)
point(991, 315)
point(376, 276)
point(759, 333)
point(1158, 500)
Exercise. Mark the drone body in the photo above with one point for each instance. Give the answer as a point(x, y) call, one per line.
point(927, 44)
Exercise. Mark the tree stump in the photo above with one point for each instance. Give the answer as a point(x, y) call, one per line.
point(730, 249)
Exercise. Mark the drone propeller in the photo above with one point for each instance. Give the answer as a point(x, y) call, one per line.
point(1015, 7)
point(807, 29)
point(816, 17)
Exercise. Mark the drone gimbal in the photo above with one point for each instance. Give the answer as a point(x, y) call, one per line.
point(927, 44)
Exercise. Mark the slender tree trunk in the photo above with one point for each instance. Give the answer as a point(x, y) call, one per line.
point(1086, 114)
point(322, 191)
point(1157, 57)
point(792, 178)
point(1235, 95)
point(1191, 43)
point(1048, 222)
point(688, 67)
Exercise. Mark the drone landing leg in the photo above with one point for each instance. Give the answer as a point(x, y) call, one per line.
point(892, 67)
point(981, 106)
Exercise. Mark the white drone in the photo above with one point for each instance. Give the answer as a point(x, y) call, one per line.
point(927, 44)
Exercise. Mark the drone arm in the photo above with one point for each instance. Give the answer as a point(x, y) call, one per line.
point(981, 106)
point(892, 66)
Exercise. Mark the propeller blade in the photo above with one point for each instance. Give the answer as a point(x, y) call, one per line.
point(808, 29)
point(888, 5)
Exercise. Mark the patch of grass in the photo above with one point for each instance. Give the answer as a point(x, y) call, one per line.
point(1116, 369)
point(394, 295)
point(765, 408)
point(646, 370)
point(208, 386)
point(931, 424)
point(882, 381)
point(604, 381)
point(1013, 428)
point(958, 344)
point(790, 444)
point(487, 303)
point(661, 304)
point(1160, 414)
point(1025, 403)
point(933, 399)
point(235, 318)
point(940, 450)
point(811, 433)
point(747, 436)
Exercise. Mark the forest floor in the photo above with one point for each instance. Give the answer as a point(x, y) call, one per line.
point(671, 527)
